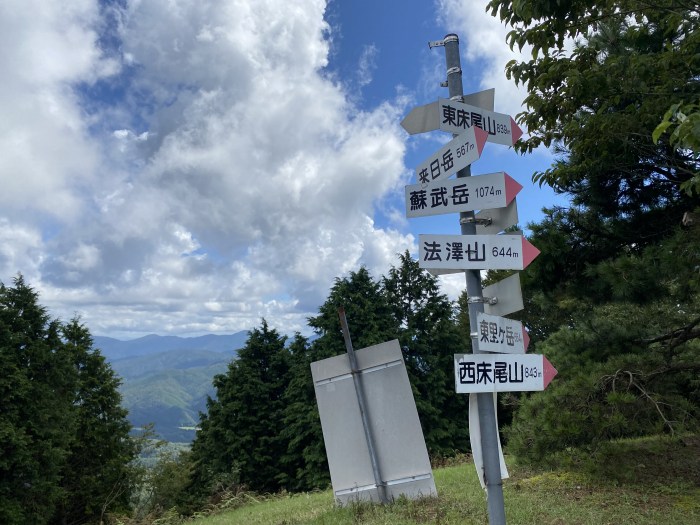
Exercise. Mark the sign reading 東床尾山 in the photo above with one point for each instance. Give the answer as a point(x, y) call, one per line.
point(456, 116)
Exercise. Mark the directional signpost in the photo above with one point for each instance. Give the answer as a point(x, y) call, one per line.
point(480, 247)
point(502, 373)
point(505, 296)
point(493, 190)
point(475, 252)
point(456, 155)
point(502, 335)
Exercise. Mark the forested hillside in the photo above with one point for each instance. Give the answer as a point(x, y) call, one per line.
point(166, 380)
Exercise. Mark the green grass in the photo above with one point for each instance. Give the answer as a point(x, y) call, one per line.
point(636, 482)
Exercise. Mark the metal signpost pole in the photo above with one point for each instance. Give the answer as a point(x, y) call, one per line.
point(381, 492)
point(487, 414)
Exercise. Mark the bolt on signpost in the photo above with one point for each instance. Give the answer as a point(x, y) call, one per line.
point(473, 122)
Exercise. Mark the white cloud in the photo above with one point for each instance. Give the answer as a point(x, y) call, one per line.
point(231, 180)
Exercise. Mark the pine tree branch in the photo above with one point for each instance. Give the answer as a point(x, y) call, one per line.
point(678, 336)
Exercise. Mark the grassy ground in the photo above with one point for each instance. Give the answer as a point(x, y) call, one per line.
point(648, 481)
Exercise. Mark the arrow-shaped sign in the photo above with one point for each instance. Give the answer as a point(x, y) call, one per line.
point(457, 154)
point(502, 373)
point(507, 294)
point(455, 117)
point(427, 118)
point(493, 190)
point(475, 252)
point(500, 219)
point(502, 335)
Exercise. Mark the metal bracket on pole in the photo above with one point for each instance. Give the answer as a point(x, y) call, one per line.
point(357, 380)
point(479, 299)
point(484, 221)
point(436, 43)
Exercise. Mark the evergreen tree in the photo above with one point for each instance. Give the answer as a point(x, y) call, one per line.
point(36, 423)
point(613, 298)
point(239, 440)
point(305, 463)
point(429, 337)
point(97, 475)
point(64, 436)
point(367, 310)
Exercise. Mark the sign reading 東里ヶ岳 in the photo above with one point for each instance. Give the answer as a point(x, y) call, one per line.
point(500, 334)
point(501, 373)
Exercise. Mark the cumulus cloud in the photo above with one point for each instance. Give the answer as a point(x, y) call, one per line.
point(224, 177)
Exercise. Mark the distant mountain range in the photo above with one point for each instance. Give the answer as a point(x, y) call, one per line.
point(166, 379)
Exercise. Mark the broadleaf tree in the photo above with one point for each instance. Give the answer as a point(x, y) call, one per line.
point(602, 77)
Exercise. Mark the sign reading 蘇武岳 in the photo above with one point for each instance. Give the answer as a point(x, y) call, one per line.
point(492, 190)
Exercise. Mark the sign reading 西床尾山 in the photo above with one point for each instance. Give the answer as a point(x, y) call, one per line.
point(502, 373)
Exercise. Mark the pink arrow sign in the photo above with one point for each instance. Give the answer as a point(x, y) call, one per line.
point(475, 252)
point(513, 187)
point(475, 373)
point(480, 192)
point(456, 155)
point(455, 117)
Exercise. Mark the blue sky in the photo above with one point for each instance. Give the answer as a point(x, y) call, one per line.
point(192, 166)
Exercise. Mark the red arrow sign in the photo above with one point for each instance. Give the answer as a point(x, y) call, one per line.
point(502, 373)
point(475, 252)
point(480, 192)
point(457, 154)
point(456, 117)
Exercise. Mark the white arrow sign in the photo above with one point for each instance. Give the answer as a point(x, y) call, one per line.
point(507, 294)
point(500, 219)
point(457, 154)
point(502, 335)
point(427, 118)
point(475, 252)
point(502, 373)
point(493, 190)
point(456, 117)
